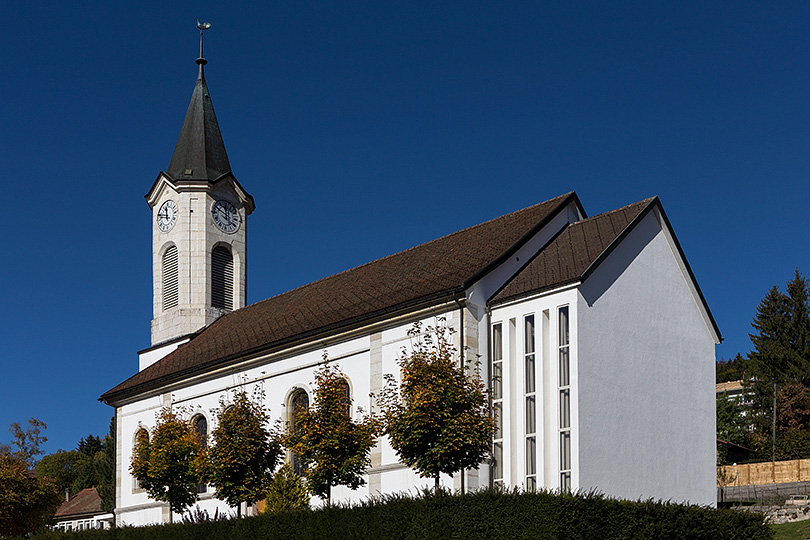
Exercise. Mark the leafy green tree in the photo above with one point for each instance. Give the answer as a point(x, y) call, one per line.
point(105, 464)
point(732, 426)
point(438, 418)
point(171, 462)
point(731, 423)
point(61, 467)
point(333, 448)
point(89, 465)
point(244, 452)
point(286, 492)
point(25, 442)
point(26, 500)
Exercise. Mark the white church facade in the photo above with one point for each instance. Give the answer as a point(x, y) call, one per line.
point(592, 332)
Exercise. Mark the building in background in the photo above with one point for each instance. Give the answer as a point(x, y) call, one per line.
point(83, 511)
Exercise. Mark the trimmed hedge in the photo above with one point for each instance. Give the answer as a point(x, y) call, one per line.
point(485, 514)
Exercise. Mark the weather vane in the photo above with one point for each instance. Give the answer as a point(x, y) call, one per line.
point(202, 26)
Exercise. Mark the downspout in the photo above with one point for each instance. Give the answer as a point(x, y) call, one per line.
point(115, 479)
point(489, 373)
point(461, 359)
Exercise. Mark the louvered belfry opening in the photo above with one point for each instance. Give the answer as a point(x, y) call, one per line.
point(170, 278)
point(222, 278)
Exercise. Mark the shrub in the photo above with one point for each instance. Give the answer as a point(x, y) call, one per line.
point(286, 492)
point(486, 514)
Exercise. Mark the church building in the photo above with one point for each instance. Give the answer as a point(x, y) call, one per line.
point(592, 332)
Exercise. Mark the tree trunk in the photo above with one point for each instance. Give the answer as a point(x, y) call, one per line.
point(436, 485)
point(329, 495)
point(238, 510)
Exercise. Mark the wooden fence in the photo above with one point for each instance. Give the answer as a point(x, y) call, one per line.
point(755, 474)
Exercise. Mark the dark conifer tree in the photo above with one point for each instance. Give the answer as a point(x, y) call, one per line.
point(735, 369)
point(781, 354)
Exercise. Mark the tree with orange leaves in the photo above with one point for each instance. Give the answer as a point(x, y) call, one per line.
point(171, 462)
point(333, 448)
point(438, 417)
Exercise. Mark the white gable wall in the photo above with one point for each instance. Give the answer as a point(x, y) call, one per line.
point(646, 375)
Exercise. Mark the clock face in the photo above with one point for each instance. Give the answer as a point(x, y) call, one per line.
point(225, 216)
point(167, 215)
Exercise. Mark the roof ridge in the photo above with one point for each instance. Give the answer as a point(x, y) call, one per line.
point(638, 207)
point(449, 235)
point(615, 210)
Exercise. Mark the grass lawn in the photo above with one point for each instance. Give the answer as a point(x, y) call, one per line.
point(799, 530)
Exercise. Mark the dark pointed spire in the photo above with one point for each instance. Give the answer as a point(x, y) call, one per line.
point(200, 151)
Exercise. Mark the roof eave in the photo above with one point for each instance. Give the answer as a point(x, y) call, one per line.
point(196, 184)
point(554, 287)
point(655, 204)
point(671, 232)
point(455, 293)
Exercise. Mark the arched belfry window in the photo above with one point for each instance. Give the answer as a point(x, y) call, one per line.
point(222, 278)
point(170, 276)
point(298, 400)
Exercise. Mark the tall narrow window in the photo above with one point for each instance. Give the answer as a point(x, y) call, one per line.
point(565, 398)
point(531, 402)
point(222, 278)
point(170, 278)
point(497, 403)
point(298, 400)
point(201, 429)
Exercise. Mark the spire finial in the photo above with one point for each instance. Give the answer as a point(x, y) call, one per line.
point(201, 61)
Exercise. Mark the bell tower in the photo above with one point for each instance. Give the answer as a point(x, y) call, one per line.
point(199, 226)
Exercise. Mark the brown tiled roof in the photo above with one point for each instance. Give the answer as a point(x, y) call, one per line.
point(572, 252)
point(412, 277)
point(85, 502)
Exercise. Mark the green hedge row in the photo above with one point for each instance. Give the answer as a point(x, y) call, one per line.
point(485, 514)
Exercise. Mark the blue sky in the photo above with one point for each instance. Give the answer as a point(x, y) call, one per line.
point(364, 128)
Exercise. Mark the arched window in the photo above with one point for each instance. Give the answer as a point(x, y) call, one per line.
point(347, 396)
point(170, 282)
point(200, 425)
point(222, 278)
point(141, 438)
point(299, 399)
point(201, 428)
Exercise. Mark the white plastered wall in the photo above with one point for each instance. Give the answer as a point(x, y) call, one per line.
point(646, 375)
point(364, 358)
